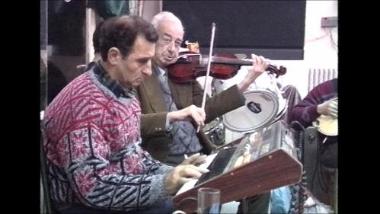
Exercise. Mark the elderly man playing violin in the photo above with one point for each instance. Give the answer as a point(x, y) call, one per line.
point(171, 112)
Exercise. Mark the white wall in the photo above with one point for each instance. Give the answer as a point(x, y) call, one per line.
point(319, 48)
point(319, 52)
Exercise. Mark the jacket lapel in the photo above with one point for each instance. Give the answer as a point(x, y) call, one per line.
point(181, 93)
point(154, 93)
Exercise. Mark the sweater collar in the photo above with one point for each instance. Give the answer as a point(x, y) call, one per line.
point(104, 78)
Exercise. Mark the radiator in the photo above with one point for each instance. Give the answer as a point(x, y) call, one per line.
point(320, 75)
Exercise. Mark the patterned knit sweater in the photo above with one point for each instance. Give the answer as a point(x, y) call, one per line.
point(92, 145)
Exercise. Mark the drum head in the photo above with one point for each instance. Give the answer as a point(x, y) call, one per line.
point(261, 107)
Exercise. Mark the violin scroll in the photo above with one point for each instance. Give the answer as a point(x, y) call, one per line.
point(278, 71)
point(192, 46)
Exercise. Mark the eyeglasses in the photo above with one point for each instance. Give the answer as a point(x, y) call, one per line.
point(166, 40)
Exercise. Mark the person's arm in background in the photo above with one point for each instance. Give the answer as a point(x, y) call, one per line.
point(158, 124)
point(259, 65)
point(318, 101)
point(220, 103)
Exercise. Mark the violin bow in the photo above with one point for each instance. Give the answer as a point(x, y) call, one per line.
point(208, 67)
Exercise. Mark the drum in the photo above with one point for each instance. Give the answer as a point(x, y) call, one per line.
point(261, 109)
point(215, 131)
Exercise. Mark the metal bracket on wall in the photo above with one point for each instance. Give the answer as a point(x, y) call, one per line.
point(327, 22)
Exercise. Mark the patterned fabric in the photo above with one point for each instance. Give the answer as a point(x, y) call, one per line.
point(185, 140)
point(112, 85)
point(92, 145)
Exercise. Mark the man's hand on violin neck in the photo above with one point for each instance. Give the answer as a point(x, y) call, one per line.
point(259, 65)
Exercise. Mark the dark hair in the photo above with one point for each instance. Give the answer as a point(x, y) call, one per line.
point(121, 32)
point(95, 37)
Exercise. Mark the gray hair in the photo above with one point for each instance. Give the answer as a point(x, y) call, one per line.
point(165, 16)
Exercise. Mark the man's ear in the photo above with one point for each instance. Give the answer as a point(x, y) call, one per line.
point(113, 55)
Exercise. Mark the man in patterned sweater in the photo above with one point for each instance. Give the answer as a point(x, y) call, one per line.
point(92, 132)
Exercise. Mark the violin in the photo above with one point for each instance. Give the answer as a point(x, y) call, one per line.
point(191, 65)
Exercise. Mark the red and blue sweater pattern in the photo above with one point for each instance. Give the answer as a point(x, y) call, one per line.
point(92, 144)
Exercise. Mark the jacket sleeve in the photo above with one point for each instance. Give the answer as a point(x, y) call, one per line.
point(304, 114)
point(153, 124)
point(220, 103)
point(305, 111)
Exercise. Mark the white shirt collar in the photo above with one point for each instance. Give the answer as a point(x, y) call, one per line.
point(162, 71)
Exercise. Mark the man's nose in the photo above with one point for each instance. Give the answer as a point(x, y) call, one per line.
point(171, 46)
point(148, 69)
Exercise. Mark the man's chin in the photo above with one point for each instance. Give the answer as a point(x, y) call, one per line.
point(169, 61)
point(164, 63)
point(138, 82)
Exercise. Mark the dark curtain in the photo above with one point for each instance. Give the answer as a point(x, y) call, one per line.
point(66, 27)
point(110, 8)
